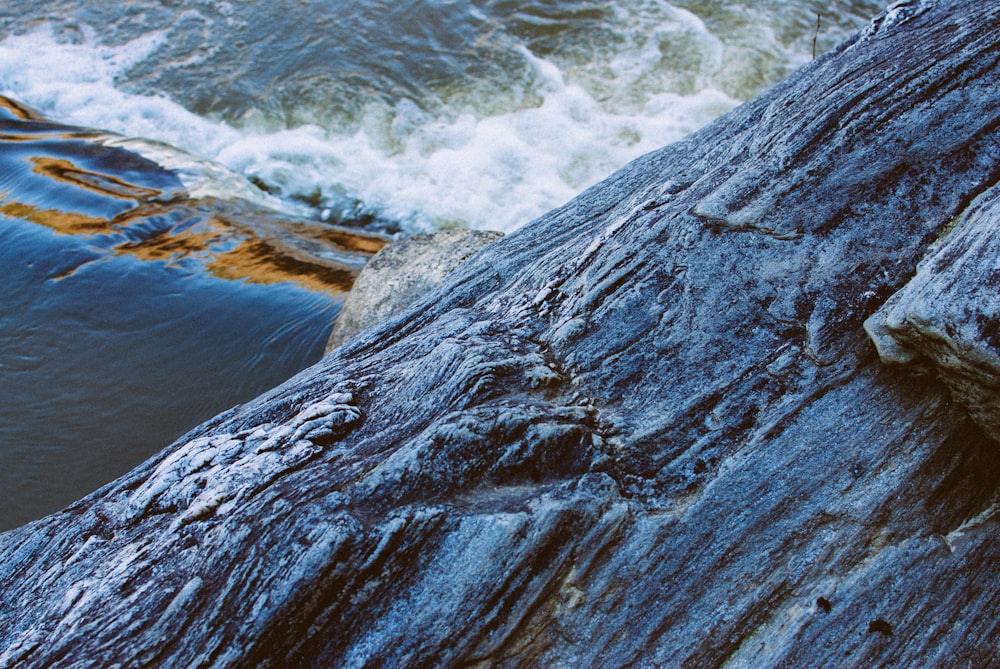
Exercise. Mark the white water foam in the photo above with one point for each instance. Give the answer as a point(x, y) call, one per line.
point(497, 172)
point(493, 172)
point(76, 83)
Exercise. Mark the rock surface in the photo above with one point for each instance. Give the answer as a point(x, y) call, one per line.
point(402, 273)
point(646, 430)
point(947, 318)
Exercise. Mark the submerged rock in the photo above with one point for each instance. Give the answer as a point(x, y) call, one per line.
point(647, 429)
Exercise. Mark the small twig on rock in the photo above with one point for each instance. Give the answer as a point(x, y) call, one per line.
point(816, 34)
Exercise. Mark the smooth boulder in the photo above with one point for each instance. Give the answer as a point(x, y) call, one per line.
point(402, 273)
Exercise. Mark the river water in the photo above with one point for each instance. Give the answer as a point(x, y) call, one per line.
point(391, 116)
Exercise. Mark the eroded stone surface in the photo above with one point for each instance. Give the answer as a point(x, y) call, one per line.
point(948, 315)
point(645, 430)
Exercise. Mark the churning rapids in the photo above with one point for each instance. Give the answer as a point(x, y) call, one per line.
point(118, 335)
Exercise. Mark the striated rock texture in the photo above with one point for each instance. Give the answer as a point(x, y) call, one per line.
point(646, 430)
point(947, 318)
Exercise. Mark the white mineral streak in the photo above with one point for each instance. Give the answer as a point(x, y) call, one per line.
point(953, 537)
point(207, 474)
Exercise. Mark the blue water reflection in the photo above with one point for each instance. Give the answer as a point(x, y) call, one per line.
point(130, 313)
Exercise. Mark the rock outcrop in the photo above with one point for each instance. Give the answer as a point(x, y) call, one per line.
point(647, 429)
point(946, 320)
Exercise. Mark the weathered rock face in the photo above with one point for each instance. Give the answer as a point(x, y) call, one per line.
point(647, 429)
point(403, 273)
point(948, 315)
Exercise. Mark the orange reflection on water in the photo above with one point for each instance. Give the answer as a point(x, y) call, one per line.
point(20, 111)
point(64, 222)
point(231, 250)
point(259, 261)
point(349, 240)
point(228, 239)
point(226, 248)
point(63, 170)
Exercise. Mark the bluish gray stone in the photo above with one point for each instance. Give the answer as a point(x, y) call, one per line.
point(946, 320)
point(647, 429)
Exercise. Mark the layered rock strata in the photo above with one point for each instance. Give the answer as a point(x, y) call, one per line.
point(946, 320)
point(647, 429)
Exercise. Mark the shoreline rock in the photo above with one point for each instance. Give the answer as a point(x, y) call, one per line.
point(402, 273)
point(647, 429)
point(947, 316)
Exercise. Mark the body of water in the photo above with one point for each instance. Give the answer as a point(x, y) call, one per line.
point(142, 296)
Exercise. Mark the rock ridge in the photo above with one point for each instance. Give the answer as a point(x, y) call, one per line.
point(648, 429)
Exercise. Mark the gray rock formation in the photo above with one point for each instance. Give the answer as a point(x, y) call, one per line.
point(646, 430)
point(401, 274)
point(946, 320)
